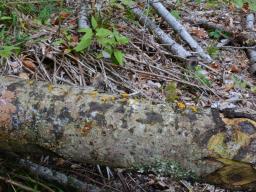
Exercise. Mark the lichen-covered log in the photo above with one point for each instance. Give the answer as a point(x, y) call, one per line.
point(89, 127)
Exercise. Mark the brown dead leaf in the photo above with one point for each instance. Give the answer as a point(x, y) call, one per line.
point(64, 15)
point(9, 95)
point(121, 27)
point(23, 75)
point(199, 32)
point(235, 69)
point(243, 65)
point(60, 162)
point(29, 63)
point(232, 7)
point(72, 22)
point(60, 18)
point(215, 65)
point(246, 7)
point(75, 38)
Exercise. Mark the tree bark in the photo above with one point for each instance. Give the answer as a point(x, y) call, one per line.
point(86, 126)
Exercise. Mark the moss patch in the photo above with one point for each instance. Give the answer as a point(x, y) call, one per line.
point(166, 168)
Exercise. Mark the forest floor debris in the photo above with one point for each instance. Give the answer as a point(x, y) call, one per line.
point(45, 37)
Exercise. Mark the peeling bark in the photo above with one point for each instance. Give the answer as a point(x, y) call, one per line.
point(86, 126)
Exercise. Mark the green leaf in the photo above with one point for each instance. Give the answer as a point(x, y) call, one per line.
point(239, 3)
point(6, 51)
point(176, 14)
point(102, 32)
point(213, 51)
point(203, 78)
point(94, 23)
point(84, 30)
point(3, 18)
point(253, 6)
point(127, 2)
point(216, 34)
point(119, 56)
point(122, 40)
point(58, 42)
point(253, 89)
point(106, 41)
point(171, 92)
point(85, 40)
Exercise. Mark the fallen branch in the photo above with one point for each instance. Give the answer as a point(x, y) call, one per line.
point(16, 184)
point(247, 38)
point(83, 21)
point(47, 174)
point(165, 39)
point(57, 177)
point(251, 52)
point(210, 25)
point(180, 29)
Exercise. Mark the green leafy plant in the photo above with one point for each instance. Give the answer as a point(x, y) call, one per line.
point(167, 168)
point(240, 3)
point(213, 51)
point(7, 51)
point(118, 2)
point(45, 14)
point(201, 76)
point(176, 14)
point(239, 83)
point(253, 89)
point(109, 40)
point(171, 92)
point(242, 84)
point(217, 34)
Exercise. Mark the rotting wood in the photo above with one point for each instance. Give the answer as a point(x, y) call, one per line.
point(86, 126)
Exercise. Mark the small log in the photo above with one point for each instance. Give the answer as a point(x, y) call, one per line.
point(85, 126)
point(83, 21)
point(251, 52)
point(180, 29)
point(165, 39)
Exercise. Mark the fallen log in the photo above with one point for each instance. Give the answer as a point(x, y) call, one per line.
point(85, 126)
